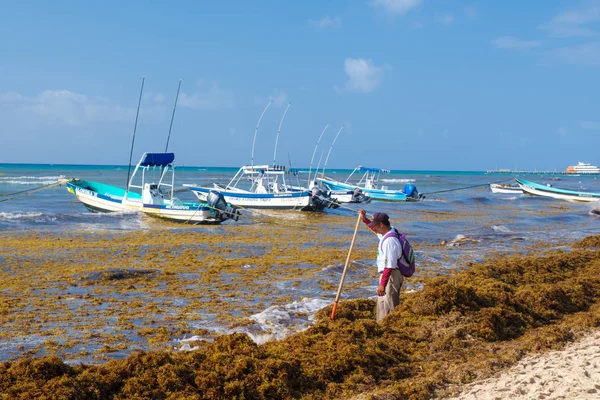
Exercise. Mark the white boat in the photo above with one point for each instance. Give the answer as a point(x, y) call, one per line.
point(573, 196)
point(508, 189)
point(368, 185)
point(267, 189)
point(154, 198)
point(582, 168)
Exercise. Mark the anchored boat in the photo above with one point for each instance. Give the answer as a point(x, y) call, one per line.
point(507, 189)
point(574, 196)
point(268, 190)
point(368, 185)
point(154, 198)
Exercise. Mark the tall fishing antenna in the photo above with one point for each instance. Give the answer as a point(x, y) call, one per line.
point(329, 152)
point(318, 165)
point(313, 155)
point(133, 139)
point(173, 116)
point(279, 130)
point(256, 131)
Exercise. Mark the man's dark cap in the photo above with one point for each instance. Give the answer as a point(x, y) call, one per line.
point(379, 217)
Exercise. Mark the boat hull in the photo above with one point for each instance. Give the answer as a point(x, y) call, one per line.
point(189, 214)
point(506, 189)
point(573, 196)
point(276, 201)
point(374, 194)
point(98, 197)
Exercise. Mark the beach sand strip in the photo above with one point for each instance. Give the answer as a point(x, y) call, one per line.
point(570, 373)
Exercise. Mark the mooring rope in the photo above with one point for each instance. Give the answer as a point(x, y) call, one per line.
point(21, 193)
point(467, 187)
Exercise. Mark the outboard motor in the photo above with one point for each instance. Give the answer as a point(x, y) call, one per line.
point(411, 191)
point(359, 197)
point(216, 200)
point(321, 200)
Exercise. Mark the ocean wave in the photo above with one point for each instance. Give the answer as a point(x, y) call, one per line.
point(12, 182)
point(54, 177)
point(397, 180)
point(500, 228)
point(512, 198)
point(29, 180)
point(277, 322)
point(274, 323)
point(20, 215)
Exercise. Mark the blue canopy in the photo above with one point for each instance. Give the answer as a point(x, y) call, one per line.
point(157, 159)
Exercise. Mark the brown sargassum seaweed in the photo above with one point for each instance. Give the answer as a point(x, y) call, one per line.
point(457, 329)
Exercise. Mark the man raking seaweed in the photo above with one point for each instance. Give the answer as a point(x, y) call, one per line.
point(395, 260)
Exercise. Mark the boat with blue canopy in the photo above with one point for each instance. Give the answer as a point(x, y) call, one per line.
point(574, 196)
point(368, 184)
point(150, 191)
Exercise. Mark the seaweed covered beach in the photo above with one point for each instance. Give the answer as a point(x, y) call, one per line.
point(120, 301)
point(115, 306)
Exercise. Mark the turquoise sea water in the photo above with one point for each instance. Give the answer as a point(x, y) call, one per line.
point(489, 223)
point(446, 192)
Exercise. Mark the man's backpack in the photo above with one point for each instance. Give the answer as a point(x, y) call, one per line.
point(407, 268)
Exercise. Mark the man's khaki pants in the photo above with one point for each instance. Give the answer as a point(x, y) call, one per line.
point(391, 298)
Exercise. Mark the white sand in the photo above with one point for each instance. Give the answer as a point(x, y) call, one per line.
point(571, 373)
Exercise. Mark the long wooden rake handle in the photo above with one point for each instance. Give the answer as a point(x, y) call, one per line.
point(337, 297)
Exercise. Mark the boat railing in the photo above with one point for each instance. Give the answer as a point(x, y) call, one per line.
point(269, 177)
point(154, 189)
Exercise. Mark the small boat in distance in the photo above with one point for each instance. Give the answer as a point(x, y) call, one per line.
point(505, 188)
point(573, 196)
point(153, 198)
point(582, 168)
point(368, 185)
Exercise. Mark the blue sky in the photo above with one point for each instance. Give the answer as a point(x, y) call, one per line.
point(417, 84)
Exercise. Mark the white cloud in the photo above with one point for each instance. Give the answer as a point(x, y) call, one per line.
point(396, 6)
point(445, 19)
point(207, 98)
point(590, 125)
point(511, 43)
point(587, 54)
point(327, 22)
point(471, 12)
point(575, 22)
point(363, 75)
point(562, 131)
point(62, 108)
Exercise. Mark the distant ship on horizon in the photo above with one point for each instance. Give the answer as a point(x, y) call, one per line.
point(582, 168)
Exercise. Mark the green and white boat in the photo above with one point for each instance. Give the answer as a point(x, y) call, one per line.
point(573, 196)
point(153, 198)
